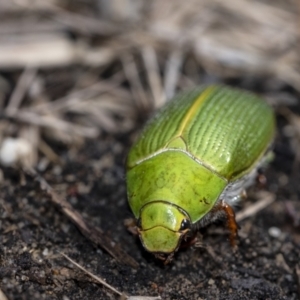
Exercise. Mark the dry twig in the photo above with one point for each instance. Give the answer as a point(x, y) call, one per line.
point(92, 233)
point(2, 296)
point(265, 199)
point(152, 67)
point(100, 280)
point(20, 90)
point(132, 74)
point(53, 122)
point(97, 278)
point(172, 72)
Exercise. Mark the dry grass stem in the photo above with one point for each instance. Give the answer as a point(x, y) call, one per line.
point(152, 67)
point(76, 97)
point(97, 278)
point(54, 123)
point(47, 50)
point(92, 233)
point(132, 74)
point(172, 72)
point(20, 90)
point(265, 199)
point(86, 25)
point(48, 152)
point(2, 296)
point(110, 287)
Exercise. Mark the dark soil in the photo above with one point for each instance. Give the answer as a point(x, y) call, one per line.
point(33, 232)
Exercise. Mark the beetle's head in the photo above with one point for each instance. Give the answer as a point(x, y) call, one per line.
point(161, 227)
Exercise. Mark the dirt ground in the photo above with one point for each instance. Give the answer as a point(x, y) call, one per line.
point(82, 104)
point(34, 232)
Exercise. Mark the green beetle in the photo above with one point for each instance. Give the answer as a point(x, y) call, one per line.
point(193, 161)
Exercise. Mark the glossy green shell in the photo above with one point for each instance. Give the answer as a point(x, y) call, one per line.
point(198, 143)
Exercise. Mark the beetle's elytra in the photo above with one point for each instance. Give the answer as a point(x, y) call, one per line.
point(193, 160)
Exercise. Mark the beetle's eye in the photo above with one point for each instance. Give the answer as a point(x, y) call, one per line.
point(185, 224)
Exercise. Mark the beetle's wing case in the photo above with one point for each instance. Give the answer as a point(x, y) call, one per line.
point(227, 130)
point(232, 194)
point(162, 128)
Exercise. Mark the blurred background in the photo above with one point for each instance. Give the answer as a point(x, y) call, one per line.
point(70, 70)
point(78, 79)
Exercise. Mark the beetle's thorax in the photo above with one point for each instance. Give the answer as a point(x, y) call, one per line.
point(176, 178)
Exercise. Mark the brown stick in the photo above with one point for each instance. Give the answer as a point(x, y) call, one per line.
point(92, 233)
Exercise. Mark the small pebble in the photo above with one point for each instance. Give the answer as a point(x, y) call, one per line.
point(57, 170)
point(283, 180)
point(24, 278)
point(45, 252)
point(211, 281)
point(43, 164)
point(14, 150)
point(274, 232)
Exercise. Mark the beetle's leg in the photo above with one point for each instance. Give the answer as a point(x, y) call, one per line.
point(169, 259)
point(130, 224)
point(198, 240)
point(189, 241)
point(231, 223)
point(165, 258)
